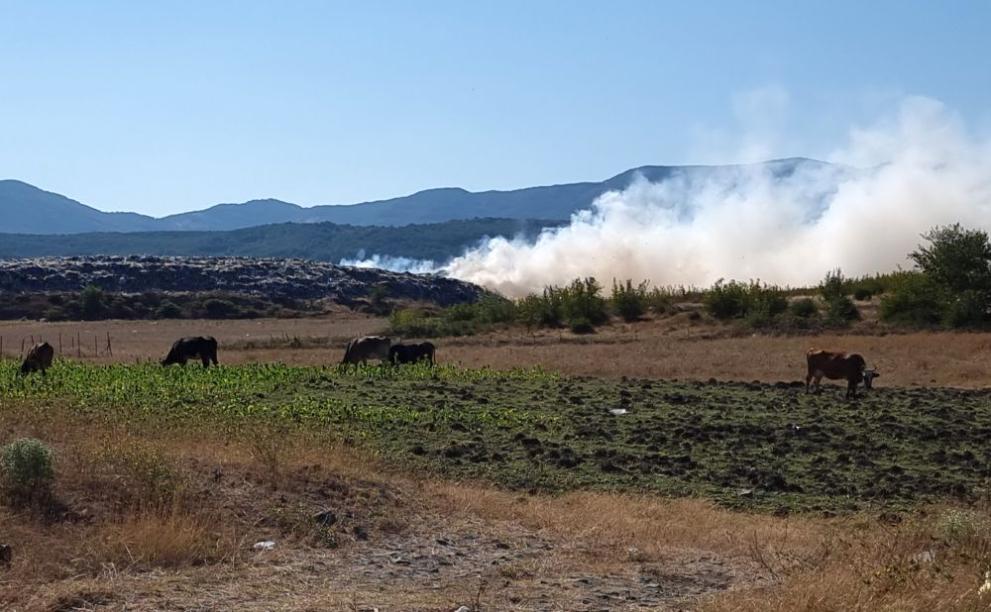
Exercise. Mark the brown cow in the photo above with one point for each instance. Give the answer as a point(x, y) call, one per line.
point(849, 366)
point(360, 350)
point(39, 358)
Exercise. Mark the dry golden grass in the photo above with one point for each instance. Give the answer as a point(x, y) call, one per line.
point(198, 555)
point(672, 347)
point(650, 350)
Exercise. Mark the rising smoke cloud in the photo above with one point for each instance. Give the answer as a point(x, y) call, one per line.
point(891, 182)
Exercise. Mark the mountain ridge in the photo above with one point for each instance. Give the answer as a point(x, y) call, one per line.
point(26, 209)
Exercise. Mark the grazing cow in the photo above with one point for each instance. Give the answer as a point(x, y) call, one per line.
point(360, 350)
point(184, 349)
point(411, 353)
point(849, 366)
point(38, 358)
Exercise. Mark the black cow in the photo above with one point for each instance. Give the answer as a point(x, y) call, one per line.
point(411, 353)
point(184, 349)
point(39, 358)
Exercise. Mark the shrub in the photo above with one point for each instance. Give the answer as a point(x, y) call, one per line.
point(833, 287)
point(660, 301)
point(93, 303)
point(629, 302)
point(220, 309)
point(582, 325)
point(168, 310)
point(759, 304)
point(27, 471)
point(862, 294)
point(915, 300)
point(377, 301)
point(539, 311)
point(967, 309)
point(804, 308)
point(581, 301)
point(726, 301)
point(841, 310)
point(55, 314)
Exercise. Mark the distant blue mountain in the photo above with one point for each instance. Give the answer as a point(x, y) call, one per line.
point(25, 209)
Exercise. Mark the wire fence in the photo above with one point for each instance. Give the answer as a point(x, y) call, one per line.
point(66, 345)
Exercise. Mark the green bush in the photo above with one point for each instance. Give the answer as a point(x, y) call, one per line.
point(757, 303)
point(581, 301)
point(629, 302)
point(93, 303)
point(27, 471)
point(833, 287)
point(804, 308)
point(540, 310)
point(220, 309)
point(957, 259)
point(862, 294)
point(726, 300)
point(582, 326)
point(660, 301)
point(966, 309)
point(841, 310)
point(915, 300)
point(414, 323)
point(168, 310)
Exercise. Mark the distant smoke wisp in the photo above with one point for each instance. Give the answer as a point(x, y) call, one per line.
point(393, 264)
point(919, 169)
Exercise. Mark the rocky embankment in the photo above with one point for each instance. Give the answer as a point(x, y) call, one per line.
point(272, 278)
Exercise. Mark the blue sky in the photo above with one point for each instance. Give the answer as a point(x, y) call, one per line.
point(170, 106)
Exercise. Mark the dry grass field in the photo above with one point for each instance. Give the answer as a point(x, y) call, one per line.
point(158, 513)
point(157, 519)
point(673, 347)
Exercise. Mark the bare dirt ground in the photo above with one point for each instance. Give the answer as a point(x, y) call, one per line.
point(672, 347)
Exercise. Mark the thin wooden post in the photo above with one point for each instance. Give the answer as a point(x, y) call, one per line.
point(22, 347)
point(79, 346)
point(60, 343)
point(1, 347)
point(96, 346)
point(110, 350)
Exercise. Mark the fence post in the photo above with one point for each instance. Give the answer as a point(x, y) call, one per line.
point(110, 349)
point(79, 346)
point(60, 344)
point(96, 346)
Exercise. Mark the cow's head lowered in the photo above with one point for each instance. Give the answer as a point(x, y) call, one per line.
point(869, 376)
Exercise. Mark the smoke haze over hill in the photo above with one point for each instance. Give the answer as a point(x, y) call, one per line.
point(919, 168)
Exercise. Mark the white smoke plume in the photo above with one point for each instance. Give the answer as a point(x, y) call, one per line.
point(393, 264)
point(891, 183)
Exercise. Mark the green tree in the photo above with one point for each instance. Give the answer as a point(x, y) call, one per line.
point(93, 303)
point(957, 259)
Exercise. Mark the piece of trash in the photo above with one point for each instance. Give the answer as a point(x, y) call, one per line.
point(264, 545)
point(986, 587)
point(618, 411)
point(926, 556)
